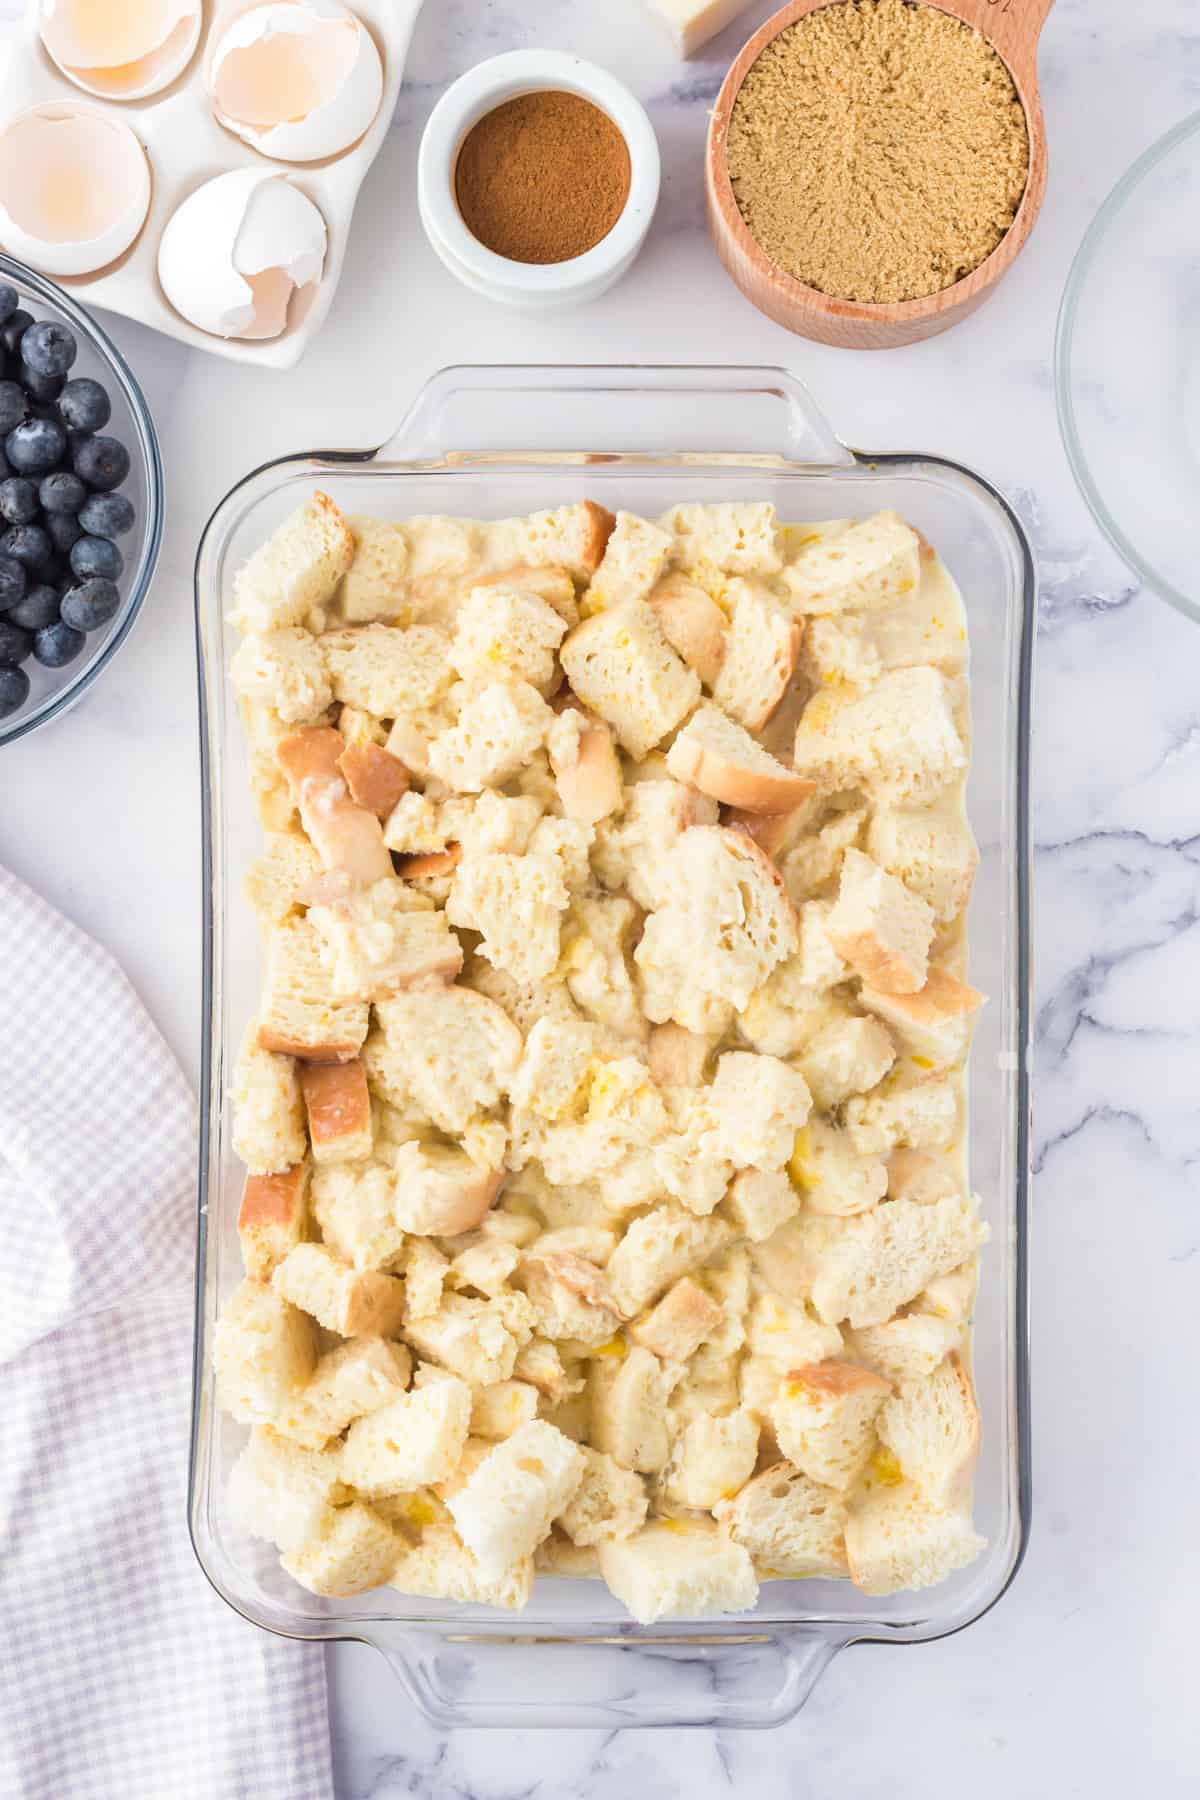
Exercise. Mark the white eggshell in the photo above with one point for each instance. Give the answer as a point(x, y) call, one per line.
point(236, 226)
point(39, 144)
point(330, 127)
point(120, 54)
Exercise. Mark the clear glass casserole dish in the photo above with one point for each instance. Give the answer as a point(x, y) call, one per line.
point(644, 439)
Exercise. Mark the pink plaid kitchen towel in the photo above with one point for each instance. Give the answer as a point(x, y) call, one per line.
point(121, 1671)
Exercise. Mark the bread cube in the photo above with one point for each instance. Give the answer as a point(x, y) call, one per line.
point(386, 670)
point(285, 668)
point(739, 537)
point(274, 881)
point(784, 1331)
point(268, 1115)
point(630, 850)
point(834, 1179)
point(721, 759)
point(869, 565)
point(516, 903)
point(338, 1107)
point(499, 728)
point(549, 581)
point(811, 863)
point(352, 1302)
point(898, 738)
point(440, 1567)
point(760, 1104)
point(789, 1524)
point(895, 1541)
point(882, 1259)
point(570, 1297)
point(469, 1338)
point(848, 1056)
point(676, 1570)
point(281, 1493)
point(301, 1016)
point(448, 1050)
point(623, 669)
point(684, 1317)
point(382, 939)
point(425, 1271)
point(918, 1175)
point(759, 1201)
point(297, 568)
point(377, 780)
point(711, 1459)
point(439, 1191)
point(922, 1116)
point(932, 1428)
point(935, 1022)
point(354, 1208)
point(572, 537)
point(264, 1350)
point(909, 1348)
point(586, 766)
point(931, 850)
point(271, 1218)
point(881, 930)
point(273, 799)
point(657, 1249)
point(629, 1397)
point(824, 1420)
point(507, 1506)
point(410, 1442)
point(355, 1379)
point(951, 1296)
point(540, 1363)
point(505, 634)
point(554, 1063)
point(599, 933)
point(373, 587)
point(677, 1057)
point(501, 1409)
point(634, 558)
point(609, 1503)
point(762, 651)
point(348, 838)
point(355, 1551)
point(692, 623)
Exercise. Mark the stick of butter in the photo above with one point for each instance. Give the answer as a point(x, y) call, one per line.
point(693, 22)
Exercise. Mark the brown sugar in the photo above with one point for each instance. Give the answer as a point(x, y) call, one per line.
point(542, 178)
point(878, 150)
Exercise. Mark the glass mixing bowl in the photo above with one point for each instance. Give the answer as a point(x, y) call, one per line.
point(1127, 366)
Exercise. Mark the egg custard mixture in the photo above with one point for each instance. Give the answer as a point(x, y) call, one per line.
point(605, 1209)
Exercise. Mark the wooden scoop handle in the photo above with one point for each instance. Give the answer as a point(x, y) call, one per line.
point(1013, 27)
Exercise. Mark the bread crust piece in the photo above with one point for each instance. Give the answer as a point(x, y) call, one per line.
point(881, 929)
point(692, 623)
point(375, 777)
point(590, 783)
point(345, 835)
point(790, 1524)
point(352, 1302)
point(300, 1017)
point(440, 1191)
point(935, 1021)
point(271, 1218)
point(338, 1106)
point(762, 649)
point(721, 759)
point(824, 1419)
point(932, 1428)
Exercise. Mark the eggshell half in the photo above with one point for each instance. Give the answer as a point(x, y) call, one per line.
point(121, 52)
point(74, 188)
point(238, 250)
point(299, 80)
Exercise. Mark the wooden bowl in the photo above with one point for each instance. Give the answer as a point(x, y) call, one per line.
point(1012, 27)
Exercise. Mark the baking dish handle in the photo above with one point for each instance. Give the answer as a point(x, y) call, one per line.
point(476, 411)
point(727, 1680)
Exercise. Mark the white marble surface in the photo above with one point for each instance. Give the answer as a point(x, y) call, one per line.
point(1081, 1681)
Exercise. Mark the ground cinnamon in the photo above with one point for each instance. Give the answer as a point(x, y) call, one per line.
point(542, 178)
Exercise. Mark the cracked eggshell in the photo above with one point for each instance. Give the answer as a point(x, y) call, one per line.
point(120, 52)
point(74, 188)
point(237, 254)
point(298, 79)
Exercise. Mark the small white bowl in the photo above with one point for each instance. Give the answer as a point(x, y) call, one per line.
point(478, 92)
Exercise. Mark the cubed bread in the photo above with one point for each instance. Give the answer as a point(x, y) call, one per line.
point(571, 537)
point(508, 1504)
point(921, 1116)
point(711, 1459)
point(274, 802)
point(908, 1348)
point(880, 1260)
point(824, 1420)
point(782, 1016)
point(353, 1205)
point(834, 1179)
point(599, 934)
point(739, 537)
point(438, 1566)
point(717, 756)
point(412, 1441)
point(268, 1114)
point(425, 1272)
point(849, 1055)
point(951, 1296)
point(507, 634)
point(355, 1551)
point(377, 780)
point(352, 1302)
point(870, 564)
point(540, 1363)
point(622, 668)
point(281, 1492)
point(468, 1337)
point(382, 939)
point(586, 766)
point(516, 904)
point(932, 1428)
point(784, 1331)
point(488, 1263)
point(817, 965)
point(549, 581)
point(684, 1317)
point(338, 1107)
point(634, 558)
point(501, 1409)
point(439, 1191)
point(609, 1502)
point(894, 1540)
point(285, 668)
point(346, 837)
point(692, 623)
point(678, 1057)
point(676, 1570)
point(571, 1298)
point(448, 1050)
point(554, 1063)
point(933, 1023)
point(499, 728)
point(880, 929)
point(354, 1379)
point(373, 587)
point(297, 569)
point(657, 1248)
point(759, 1201)
point(387, 670)
point(930, 849)
point(762, 650)
point(811, 863)
point(897, 737)
point(760, 1103)
point(264, 1350)
point(630, 851)
point(922, 1176)
point(274, 881)
point(789, 1524)
point(300, 1015)
point(629, 1397)
point(271, 1218)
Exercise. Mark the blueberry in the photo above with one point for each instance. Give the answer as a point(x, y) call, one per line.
point(18, 500)
point(49, 348)
point(14, 690)
point(37, 446)
point(9, 301)
point(90, 605)
point(84, 405)
point(13, 582)
point(107, 515)
point(13, 329)
point(102, 461)
point(57, 645)
point(64, 530)
point(38, 609)
point(59, 493)
point(43, 390)
point(15, 644)
point(27, 544)
point(96, 556)
point(14, 405)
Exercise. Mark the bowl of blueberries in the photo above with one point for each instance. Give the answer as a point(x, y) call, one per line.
point(81, 500)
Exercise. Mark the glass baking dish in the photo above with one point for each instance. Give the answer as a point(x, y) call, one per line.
point(491, 442)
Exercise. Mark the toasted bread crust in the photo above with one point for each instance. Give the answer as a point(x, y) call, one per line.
point(375, 777)
point(336, 1100)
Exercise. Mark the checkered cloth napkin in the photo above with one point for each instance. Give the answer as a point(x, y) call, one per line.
point(121, 1673)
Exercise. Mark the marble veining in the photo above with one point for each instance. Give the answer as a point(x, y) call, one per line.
point(1080, 1681)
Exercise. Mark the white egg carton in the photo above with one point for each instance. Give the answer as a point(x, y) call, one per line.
point(186, 147)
